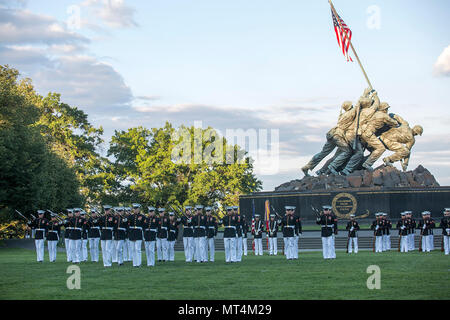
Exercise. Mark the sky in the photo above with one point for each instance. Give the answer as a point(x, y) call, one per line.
point(250, 65)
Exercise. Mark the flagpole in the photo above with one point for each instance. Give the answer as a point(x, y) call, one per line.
point(353, 49)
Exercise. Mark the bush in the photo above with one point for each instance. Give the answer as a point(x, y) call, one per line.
point(13, 230)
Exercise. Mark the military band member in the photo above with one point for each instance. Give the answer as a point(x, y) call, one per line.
point(151, 225)
point(329, 227)
point(39, 226)
point(426, 226)
point(172, 236)
point(411, 230)
point(106, 223)
point(135, 226)
point(244, 226)
point(53, 228)
point(120, 233)
point(288, 223)
point(199, 221)
point(377, 227)
point(77, 223)
point(161, 236)
point(387, 226)
point(67, 231)
point(402, 226)
point(298, 231)
point(84, 237)
point(445, 226)
point(188, 234)
point(94, 235)
point(257, 235)
point(272, 235)
point(239, 249)
point(229, 235)
point(353, 228)
point(211, 225)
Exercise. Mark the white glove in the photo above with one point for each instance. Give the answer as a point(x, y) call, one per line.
point(424, 226)
point(448, 231)
point(378, 227)
point(351, 229)
point(402, 227)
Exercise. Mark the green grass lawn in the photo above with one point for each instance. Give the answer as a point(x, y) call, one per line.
point(403, 276)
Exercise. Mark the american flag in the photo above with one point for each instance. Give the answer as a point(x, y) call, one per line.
point(343, 34)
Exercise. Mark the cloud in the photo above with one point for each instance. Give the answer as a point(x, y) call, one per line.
point(113, 13)
point(24, 27)
point(442, 65)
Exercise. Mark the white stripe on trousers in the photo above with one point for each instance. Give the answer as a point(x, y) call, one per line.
point(106, 252)
point(75, 247)
point(94, 249)
point(188, 243)
point(52, 249)
point(150, 252)
point(68, 252)
point(39, 243)
point(353, 245)
point(230, 249)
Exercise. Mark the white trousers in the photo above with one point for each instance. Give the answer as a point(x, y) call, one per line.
point(114, 250)
point(52, 250)
point(379, 244)
point(239, 249)
point(446, 245)
point(244, 246)
point(289, 247)
point(295, 248)
point(230, 249)
point(327, 247)
point(130, 250)
point(258, 247)
point(333, 251)
point(119, 245)
point(171, 250)
point(137, 254)
point(94, 249)
point(162, 249)
point(188, 243)
point(68, 251)
point(273, 246)
point(200, 249)
point(404, 245)
point(387, 242)
point(39, 249)
point(353, 245)
point(411, 245)
point(212, 249)
point(431, 241)
point(84, 250)
point(107, 252)
point(150, 252)
point(159, 253)
point(75, 247)
point(286, 245)
point(426, 243)
point(125, 250)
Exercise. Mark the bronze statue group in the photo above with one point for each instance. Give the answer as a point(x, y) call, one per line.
point(120, 231)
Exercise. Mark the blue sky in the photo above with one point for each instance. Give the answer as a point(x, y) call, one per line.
point(240, 64)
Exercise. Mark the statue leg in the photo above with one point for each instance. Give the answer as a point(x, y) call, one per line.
point(355, 159)
point(399, 149)
point(326, 150)
point(343, 154)
point(378, 149)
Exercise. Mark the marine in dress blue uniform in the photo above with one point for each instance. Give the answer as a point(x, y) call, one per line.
point(52, 235)
point(211, 232)
point(188, 234)
point(93, 225)
point(151, 225)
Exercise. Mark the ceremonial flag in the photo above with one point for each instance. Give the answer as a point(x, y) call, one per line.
point(343, 34)
point(267, 217)
point(253, 223)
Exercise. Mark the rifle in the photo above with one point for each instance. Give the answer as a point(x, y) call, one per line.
point(55, 215)
point(276, 212)
point(28, 220)
point(316, 211)
point(442, 243)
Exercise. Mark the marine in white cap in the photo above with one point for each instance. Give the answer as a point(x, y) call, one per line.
point(67, 231)
point(387, 226)
point(426, 225)
point(77, 223)
point(199, 221)
point(151, 225)
point(161, 236)
point(328, 225)
point(239, 248)
point(53, 228)
point(257, 235)
point(352, 228)
point(136, 228)
point(377, 227)
point(211, 227)
point(411, 230)
point(188, 234)
point(39, 225)
point(402, 226)
point(445, 226)
point(106, 224)
point(288, 224)
point(120, 235)
point(172, 236)
point(229, 235)
point(272, 235)
point(93, 224)
point(84, 237)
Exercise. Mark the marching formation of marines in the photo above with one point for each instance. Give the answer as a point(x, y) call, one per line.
point(120, 231)
point(365, 126)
